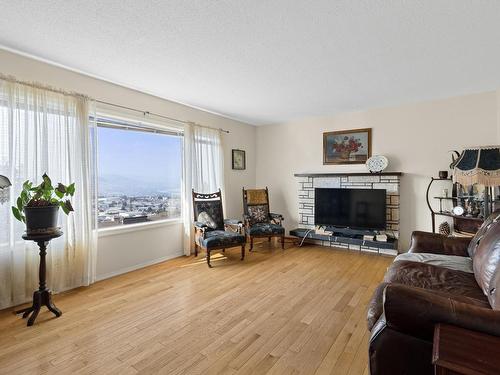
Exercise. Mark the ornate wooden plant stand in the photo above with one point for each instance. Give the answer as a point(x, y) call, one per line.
point(42, 296)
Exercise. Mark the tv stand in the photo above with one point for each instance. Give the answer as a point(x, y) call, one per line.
point(348, 239)
point(349, 232)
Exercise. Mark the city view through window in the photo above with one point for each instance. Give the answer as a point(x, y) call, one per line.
point(139, 176)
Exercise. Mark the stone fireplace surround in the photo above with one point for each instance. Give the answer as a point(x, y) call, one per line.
point(390, 181)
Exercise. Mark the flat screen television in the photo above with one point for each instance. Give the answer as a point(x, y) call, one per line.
point(350, 208)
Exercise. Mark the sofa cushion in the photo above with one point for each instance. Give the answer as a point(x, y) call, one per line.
point(493, 218)
point(447, 261)
point(428, 276)
point(486, 261)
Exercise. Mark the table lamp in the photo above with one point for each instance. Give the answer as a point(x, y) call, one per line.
point(479, 165)
point(4, 189)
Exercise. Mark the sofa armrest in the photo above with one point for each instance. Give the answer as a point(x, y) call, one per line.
point(415, 311)
point(425, 242)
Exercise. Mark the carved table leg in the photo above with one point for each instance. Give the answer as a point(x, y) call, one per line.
point(47, 301)
point(37, 304)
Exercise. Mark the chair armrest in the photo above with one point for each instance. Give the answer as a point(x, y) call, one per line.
point(232, 222)
point(425, 242)
point(277, 218)
point(415, 311)
point(200, 225)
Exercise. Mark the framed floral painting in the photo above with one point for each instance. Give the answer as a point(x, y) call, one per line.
point(347, 146)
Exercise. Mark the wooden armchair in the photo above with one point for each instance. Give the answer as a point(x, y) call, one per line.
point(212, 232)
point(259, 221)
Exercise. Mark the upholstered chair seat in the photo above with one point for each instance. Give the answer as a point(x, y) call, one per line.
point(265, 229)
point(221, 238)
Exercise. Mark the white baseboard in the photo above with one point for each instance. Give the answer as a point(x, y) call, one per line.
point(137, 266)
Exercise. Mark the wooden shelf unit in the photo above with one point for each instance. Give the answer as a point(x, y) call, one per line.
point(461, 224)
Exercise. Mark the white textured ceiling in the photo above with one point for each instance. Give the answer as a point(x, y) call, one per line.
point(267, 61)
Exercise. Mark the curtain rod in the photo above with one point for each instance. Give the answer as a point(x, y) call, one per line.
point(59, 91)
point(41, 86)
point(145, 113)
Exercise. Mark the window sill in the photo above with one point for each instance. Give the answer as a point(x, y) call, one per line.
point(120, 229)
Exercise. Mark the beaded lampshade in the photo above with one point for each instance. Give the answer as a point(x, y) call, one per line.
point(4, 189)
point(478, 165)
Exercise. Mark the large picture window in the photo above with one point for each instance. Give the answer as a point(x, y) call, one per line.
point(139, 173)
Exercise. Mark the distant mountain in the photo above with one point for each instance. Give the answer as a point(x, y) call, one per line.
point(130, 186)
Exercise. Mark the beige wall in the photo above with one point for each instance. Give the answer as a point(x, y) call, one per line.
point(498, 117)
point(416, 139)
point(118, 252)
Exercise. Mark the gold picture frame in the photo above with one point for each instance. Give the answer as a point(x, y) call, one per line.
point(347, 146)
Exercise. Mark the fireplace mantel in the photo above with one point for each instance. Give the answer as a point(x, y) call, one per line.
point(347, 174)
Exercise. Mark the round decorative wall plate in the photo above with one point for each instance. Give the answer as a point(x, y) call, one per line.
point(377, 163)
point(458, 210)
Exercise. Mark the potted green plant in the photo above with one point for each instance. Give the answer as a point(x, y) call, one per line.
point(38, 206)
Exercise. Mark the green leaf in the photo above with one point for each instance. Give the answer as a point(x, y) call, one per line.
point(61, 188)
point(66, 207)
point(19, 204)
point(59, 193)
point(46, 180)
point(17, 214)
point(71, 189)
point(27, 185)
point(24, 197)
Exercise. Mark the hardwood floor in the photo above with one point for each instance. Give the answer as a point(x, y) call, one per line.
point(298, 311)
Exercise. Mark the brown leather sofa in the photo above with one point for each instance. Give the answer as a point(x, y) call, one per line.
point(440, 280)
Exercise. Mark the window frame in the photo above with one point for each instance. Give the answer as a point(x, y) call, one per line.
point(146, 126)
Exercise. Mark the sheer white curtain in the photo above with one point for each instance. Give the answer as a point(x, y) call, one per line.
point(203, 171)
point(44, 130)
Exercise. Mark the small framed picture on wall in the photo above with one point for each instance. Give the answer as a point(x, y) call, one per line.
point(239, 160)
point(347, 146)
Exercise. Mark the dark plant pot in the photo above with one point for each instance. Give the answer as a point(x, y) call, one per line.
point(41, 220)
